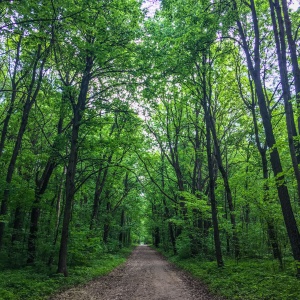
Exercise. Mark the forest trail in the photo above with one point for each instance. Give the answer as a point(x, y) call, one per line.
point(145, 276)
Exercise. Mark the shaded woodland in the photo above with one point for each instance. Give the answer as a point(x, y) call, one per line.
point(119, 127)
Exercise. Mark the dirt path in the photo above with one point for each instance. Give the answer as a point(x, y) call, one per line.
point(145, 276)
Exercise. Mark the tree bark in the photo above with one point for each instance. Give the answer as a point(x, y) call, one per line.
point(294, 57)
point(60, 195)
point(283, 194)
point(279, 36)
point(100, 182)
point(227, 188)
point(213, 202)
point(166, 209)
point(106, 226)
point(41, 186)
point(33, 90)
point(263, 154)
point(122, 234)
point(78, 110)
point(17, 226)
point(14, 85)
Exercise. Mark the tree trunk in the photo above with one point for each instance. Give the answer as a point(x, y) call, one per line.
point(283, 194)
point(30, 99)
point(197, 172)
point(14, 86)
point(78, 110)
point(227, 188)
point(263, 154)
point(41, 186)
point(106, 227)
point(60, 194)
point(17, 226)
point(282, 63)
point(213, 202)
point(211, 172)
point(100, 182)
point(174, 160)
point(122, 233)
point(166, 209)
point(294, 57)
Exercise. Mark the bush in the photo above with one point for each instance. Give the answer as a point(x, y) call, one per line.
point(251, 279)
point(183, 246)
point(32, 283)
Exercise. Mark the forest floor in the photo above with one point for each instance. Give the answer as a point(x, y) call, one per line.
point(146, 275)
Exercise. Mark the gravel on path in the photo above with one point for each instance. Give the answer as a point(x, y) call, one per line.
point(146, 275)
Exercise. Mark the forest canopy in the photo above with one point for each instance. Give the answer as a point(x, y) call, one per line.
point(176, 125)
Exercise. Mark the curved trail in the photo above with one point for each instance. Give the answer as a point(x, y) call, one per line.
point(145, 276)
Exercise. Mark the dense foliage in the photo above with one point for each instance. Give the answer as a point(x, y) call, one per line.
point(119, 127)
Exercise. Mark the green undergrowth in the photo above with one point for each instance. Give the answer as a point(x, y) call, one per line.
point(251, 279)
point(32, 283)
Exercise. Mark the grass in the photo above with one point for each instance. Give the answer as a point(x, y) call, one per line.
point(251, 279)
point(32, 283)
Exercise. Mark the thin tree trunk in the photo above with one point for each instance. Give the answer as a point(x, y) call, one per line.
point(122, 233)
point(41, 186)
point(211, 172)
point(294, 57)
point(60, 194)
point(213, 202)
point(17, 226)
point(166, 209)
point(100, 183)
point(31, 98)
point(174, 160)
point(106, 226)
point(227, 188)
point(14, 86)
point(282, 63)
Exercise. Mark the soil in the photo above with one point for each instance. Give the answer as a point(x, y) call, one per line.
point(146, 275)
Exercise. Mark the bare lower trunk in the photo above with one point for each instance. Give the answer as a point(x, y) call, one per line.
point(227, 189)
point(59, 201)
point(122, 234)
point(17, 226)
point(213, 203)
point(100, 182)
point(263, 154)
point(106, 226)
point(212, 197)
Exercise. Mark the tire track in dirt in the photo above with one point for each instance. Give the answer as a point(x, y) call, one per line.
point(146, 275)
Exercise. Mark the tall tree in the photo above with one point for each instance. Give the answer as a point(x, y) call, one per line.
point(254, 66)
point(41, 54)
point(102, 47)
